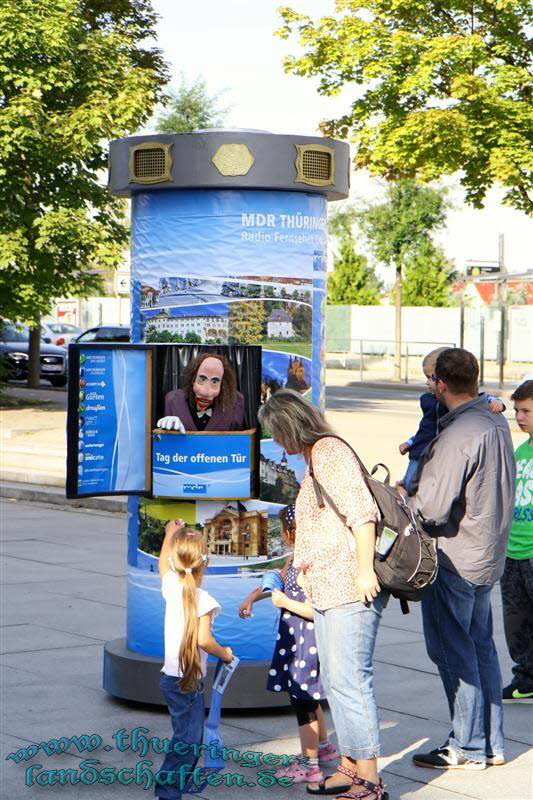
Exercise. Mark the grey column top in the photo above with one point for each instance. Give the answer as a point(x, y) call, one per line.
point(229, 159)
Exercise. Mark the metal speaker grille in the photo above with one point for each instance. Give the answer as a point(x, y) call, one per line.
point(149, 163)
point(316, 165)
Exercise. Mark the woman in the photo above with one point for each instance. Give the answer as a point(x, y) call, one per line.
point(336, 563)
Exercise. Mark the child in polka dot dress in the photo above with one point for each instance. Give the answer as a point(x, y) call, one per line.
point(295, 668)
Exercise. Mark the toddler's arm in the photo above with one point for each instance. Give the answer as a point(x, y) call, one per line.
point(207, 641)
point(280, 600)
point(495, 404)
point(245, 608)
point(406, 446)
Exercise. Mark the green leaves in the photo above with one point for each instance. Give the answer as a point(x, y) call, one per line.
point(427, 277)
point(438, 87)
point(191, 108)
point(353, 281)
point(399, 233)
point(73, 74)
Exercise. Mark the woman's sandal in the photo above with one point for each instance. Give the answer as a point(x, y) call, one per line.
point(323, 789)
point(370, 788)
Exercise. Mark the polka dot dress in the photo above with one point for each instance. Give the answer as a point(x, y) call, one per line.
point(295, 668)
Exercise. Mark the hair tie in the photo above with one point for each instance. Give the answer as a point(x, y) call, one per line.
point(192, 533)
point(290, 513)
point(188, 570)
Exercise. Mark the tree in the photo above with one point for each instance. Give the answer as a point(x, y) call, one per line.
point(341, 222)
point(191, 108)
point(397, 229)
point(352, 282)
point(302, 321)
point(74, 74)
point(438, 87)
point(247, 322)
point(427, 277)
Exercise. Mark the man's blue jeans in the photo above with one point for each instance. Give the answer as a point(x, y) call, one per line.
point(457, 618)
point(187, 716)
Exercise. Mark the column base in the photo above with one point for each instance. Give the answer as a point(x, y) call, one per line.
point(133, 676)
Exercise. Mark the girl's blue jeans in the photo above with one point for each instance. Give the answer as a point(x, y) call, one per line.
point(187, 717)
point(345, 638)
point(457, 617)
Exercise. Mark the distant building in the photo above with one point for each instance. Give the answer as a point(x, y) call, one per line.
point(296, 375)
point(279, 325)
point(206, 327)
point(485, 292)
point(270, 472)
point(149, 296)
point(235, 531)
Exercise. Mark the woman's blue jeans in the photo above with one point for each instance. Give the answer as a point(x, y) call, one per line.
point(345, 638)
point(187, 715)
point(457, 618)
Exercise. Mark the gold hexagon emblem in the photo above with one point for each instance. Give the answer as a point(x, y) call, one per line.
point(233, 159)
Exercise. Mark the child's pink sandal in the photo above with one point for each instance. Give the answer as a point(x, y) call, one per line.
point(327, 753)
point(301, 773)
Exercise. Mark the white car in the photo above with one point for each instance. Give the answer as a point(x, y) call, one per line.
point(59, 333)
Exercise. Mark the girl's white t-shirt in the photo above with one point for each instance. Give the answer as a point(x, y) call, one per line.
point(171, 588)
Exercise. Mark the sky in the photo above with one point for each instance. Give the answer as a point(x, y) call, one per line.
point(231, 44)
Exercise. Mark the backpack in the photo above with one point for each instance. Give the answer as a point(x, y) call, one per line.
point(409, 565)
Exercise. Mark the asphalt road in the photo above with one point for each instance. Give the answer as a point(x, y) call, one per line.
point(375, 421)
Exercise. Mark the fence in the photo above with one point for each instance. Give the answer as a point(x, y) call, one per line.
point(377, 356)
point(362, 337)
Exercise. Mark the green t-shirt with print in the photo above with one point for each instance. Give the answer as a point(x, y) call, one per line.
point(521, 536)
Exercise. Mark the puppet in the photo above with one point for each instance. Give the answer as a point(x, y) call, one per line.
point(208, 401)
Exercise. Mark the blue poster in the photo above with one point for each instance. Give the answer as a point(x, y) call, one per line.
point(201, 465)
point(213, 234)
point(219, 267)
point(111, 415)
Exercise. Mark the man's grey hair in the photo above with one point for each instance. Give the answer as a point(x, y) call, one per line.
point(292, 420)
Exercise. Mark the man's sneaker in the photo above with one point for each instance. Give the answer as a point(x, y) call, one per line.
point(511, 694)
point(445, 758)
point(495, 760)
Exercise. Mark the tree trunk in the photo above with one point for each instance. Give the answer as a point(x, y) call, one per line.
point(34, 363)
point(398, 326)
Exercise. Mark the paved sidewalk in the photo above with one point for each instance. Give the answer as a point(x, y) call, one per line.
point(62, 601)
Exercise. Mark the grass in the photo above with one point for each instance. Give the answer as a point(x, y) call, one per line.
point(296, 348)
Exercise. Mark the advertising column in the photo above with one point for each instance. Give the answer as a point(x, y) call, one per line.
point(239, 261)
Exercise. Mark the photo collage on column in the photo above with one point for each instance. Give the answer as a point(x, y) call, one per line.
point(275, 313)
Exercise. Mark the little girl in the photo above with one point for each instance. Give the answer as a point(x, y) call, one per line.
point(188, 639)
point(295, 668)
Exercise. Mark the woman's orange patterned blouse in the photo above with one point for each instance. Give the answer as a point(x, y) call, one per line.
point(323, 542)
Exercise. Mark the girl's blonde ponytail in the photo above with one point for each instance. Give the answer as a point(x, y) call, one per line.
point(188, 557)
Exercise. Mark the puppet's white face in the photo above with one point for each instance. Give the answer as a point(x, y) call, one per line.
point(208, 382)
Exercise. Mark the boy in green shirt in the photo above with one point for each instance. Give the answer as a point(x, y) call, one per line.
point(517, 580)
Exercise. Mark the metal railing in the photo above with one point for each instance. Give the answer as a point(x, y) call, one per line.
point(380, 348)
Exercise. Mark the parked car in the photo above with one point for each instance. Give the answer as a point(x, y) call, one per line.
point(14, 348)
point(59, 333)
point(105, 333)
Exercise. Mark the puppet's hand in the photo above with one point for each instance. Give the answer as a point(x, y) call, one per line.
point(171, 424)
